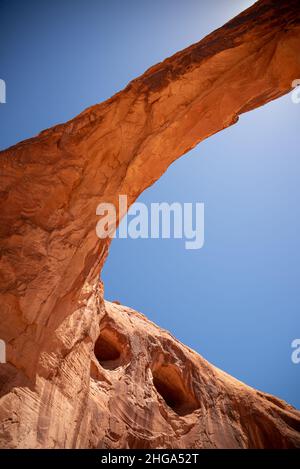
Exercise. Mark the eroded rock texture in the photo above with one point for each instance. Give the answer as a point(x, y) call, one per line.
point(144, 389)
point(126, 383)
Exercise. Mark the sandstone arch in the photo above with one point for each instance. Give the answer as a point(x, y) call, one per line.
point(51, 299)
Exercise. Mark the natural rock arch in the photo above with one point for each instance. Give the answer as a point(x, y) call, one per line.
point(51, 299)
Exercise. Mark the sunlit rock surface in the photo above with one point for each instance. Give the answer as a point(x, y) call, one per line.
point(144, 389)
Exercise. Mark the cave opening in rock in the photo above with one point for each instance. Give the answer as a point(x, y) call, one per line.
point(108, 349)
point(172, 398)
point(170, 386)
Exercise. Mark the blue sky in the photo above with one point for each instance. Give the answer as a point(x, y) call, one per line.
point(236, 301)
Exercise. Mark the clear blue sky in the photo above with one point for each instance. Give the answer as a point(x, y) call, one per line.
point(236, 301)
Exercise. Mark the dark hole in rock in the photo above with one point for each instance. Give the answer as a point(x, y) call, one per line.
point(108, 350)
point(172, 398)
point(169, 384)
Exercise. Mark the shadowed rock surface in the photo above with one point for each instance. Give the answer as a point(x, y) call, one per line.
point(84, 373)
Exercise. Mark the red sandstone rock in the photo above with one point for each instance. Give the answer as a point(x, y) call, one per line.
point(145, 389)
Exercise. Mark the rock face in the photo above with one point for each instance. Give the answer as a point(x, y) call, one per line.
point(138, 387)
point(84, 373)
